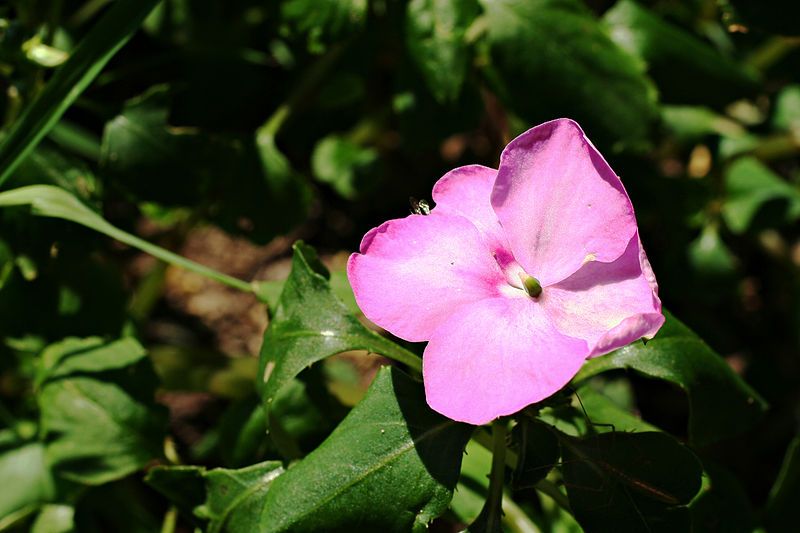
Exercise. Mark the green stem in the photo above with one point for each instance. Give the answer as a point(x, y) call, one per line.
point(170, 520)
point(771, 52)
point(545, 486)
point(176, 260)
point(497, 476)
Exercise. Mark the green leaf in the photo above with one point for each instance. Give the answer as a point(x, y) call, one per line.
point(340, 163)
point(49, 201)
point(722, 504)
point(73, 356)
point(325, 20)
point(6, 263)
point(97, 415)
point(707, 77)
point(553, 58)
point(159, 162)
point(692, 123)
point(184, 486)
point(782, 511)
point(27, 479)
point(435, 36)
point(606, 415)
point(236, 497)
point(309, 324)
point(55, 519)
point(230, 500)
point(45, 165)
point(709, 255)
point(786, 115)
point(630, 481)
point(391, 465)
point(721, 404)
point(108, 35)
point(749, 185)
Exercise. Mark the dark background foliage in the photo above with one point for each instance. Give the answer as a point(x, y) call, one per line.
point(226, 130)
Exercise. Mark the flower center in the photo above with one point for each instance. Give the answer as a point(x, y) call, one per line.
point(517, 280)
point(531, 285)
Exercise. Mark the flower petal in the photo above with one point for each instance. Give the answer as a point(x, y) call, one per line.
point(607, 304)
point(412, 273)
point(496, 357)
point(560, 203)
point(467, 191)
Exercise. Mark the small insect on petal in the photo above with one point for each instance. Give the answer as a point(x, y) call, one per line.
point(419, 207)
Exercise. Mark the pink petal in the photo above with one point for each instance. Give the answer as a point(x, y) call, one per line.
point(413, 273)
point(607, 304)
point(467, 191)
point(560, 203)
point(496, 357)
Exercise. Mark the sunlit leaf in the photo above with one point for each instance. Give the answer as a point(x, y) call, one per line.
point(309, 324)
point(392, 465)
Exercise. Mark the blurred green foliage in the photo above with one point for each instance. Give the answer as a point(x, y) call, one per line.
point(151, 122)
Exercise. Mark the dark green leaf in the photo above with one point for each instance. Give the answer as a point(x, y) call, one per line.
point(101, 43)
point(184, 486)
point(537, 452)
point(309, 324)
point(98, 418)
point(325, 20)
point(435, 35)
point(721, 404)
point(749, 185)
point(630, 481)
point(159, 162)
point(554, 58)
point(782, 510)
point(28, 482)
point(391, 465)
point(45, 165)
point(722, 504)
point(707, 77)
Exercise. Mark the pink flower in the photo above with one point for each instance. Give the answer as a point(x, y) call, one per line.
point(515, 278)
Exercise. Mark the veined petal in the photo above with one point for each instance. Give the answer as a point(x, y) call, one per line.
point(467, 191)
point(559, 202)
point(413, 273)
point(496, 357)
point(607, 304)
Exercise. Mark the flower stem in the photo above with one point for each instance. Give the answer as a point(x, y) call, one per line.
point(497, 476)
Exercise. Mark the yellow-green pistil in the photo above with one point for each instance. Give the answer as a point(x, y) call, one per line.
point(531, 285)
